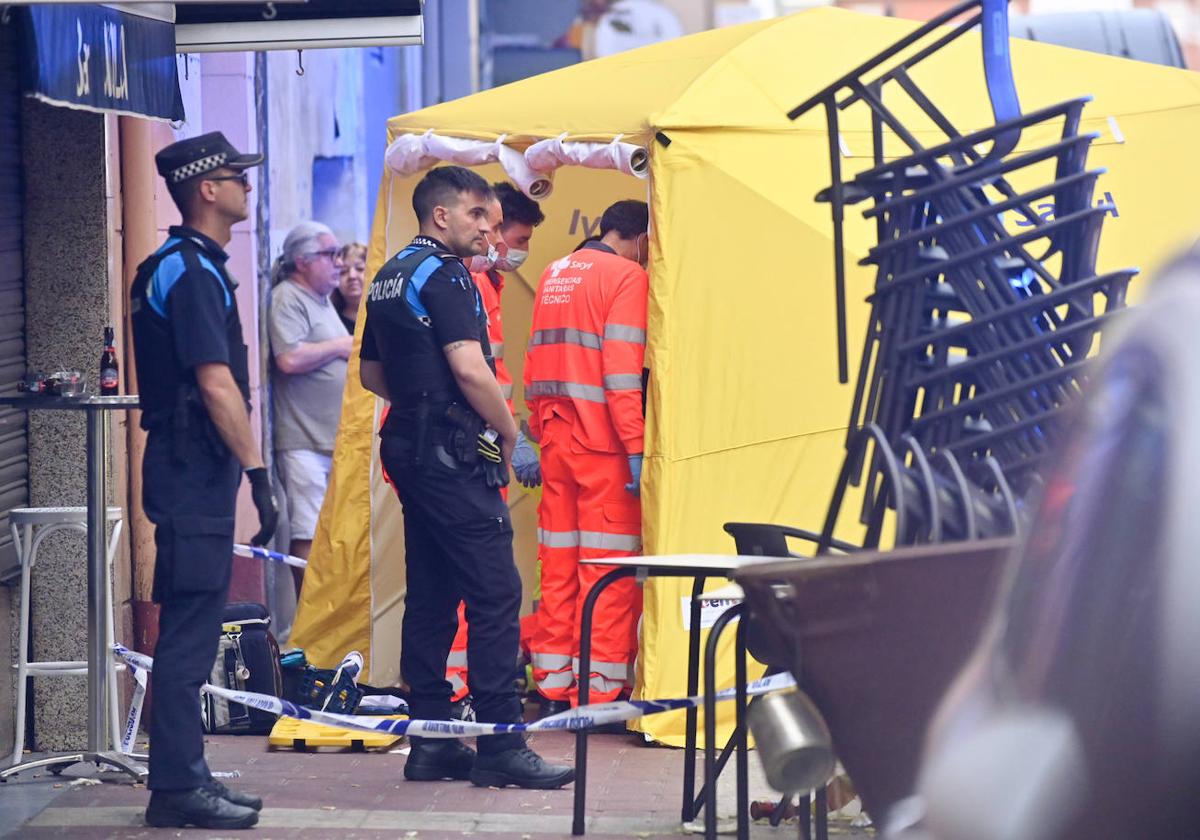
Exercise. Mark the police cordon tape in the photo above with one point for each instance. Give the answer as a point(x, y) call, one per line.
point(242, 550)
point(135, 710)
point(583, 717)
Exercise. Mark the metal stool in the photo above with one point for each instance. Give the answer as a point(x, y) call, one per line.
point(29, 527)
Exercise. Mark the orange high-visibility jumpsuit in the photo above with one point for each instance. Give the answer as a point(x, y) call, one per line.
point(583, 385)
point(490, 284)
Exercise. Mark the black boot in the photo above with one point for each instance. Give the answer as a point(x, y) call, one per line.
point(246, 800)
point(201, 807)
point(435, 759)
point(521, 767)
point(552, 707)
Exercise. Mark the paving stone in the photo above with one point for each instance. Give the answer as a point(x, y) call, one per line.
point(633, 792)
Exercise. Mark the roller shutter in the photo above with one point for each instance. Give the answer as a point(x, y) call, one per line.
point(14, 455)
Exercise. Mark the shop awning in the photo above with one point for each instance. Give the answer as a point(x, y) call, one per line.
point(313, 24)
point(100, 59)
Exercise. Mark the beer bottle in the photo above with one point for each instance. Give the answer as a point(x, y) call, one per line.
point(110, 377)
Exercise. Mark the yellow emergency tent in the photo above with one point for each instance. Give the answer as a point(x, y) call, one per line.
point(746, 419)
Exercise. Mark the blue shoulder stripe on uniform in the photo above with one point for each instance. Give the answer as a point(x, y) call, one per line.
point(166, 275)
point(424, 271)
point(207, 263)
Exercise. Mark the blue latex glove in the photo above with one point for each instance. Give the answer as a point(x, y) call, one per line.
point(525, 463)
point(635, 469)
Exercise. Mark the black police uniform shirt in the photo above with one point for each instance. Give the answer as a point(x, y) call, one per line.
point(184, 315)
point(440, 296)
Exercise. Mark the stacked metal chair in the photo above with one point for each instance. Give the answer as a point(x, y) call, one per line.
point(979, 333)
point(978, 336)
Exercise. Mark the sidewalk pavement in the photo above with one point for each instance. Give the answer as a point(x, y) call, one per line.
point(634, 791)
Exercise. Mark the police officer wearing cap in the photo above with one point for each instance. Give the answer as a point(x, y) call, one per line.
point(446, 445)
point(195, 396)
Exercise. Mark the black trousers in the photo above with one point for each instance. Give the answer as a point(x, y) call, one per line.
point(190, 498)
point(458, 546)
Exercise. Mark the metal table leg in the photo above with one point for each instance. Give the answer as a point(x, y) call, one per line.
point(693, 679)
point(804, 805)
point(585, 670)
point(97, 598)
point(710, 727)
point(97, 655)
point(821, 800)
point(743, 755)
point(727, 752)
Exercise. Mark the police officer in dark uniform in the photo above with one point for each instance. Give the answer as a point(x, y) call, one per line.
point(195, 395)
point(447, 445)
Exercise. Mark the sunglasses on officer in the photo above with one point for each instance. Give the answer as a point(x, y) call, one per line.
point(242, 177)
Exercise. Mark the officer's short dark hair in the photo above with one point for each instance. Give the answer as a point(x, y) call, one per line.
point(442, 186)
point(518, 207)
point(184, 193)
point(629, 218)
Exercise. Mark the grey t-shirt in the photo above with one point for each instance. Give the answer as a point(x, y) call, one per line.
point(307, 405)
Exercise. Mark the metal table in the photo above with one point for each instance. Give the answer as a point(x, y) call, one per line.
point(94, 409)
point(699, 567)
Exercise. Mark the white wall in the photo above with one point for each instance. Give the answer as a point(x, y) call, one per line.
point(315, 115)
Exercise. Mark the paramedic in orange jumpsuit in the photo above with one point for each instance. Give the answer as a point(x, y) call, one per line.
point(583, 384)
point(513, 216)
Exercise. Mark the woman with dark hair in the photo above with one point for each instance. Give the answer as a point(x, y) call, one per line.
point(348, 294)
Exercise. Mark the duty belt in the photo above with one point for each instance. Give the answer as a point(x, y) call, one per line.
point(456, 444)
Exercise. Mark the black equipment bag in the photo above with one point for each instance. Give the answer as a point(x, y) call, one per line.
point(247, 660)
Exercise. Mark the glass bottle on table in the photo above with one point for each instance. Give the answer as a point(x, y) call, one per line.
point(110, 375)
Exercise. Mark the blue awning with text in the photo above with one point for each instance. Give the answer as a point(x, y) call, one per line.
point(100, 59)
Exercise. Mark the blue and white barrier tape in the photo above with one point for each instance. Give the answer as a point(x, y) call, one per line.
point(242, 550)
point(583, 717)
point(135, 710)
point(139, 665)
point(132, 657)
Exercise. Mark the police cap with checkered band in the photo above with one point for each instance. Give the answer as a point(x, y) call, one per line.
point(200, 155)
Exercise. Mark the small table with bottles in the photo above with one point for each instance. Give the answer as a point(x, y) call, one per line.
point(94, 409)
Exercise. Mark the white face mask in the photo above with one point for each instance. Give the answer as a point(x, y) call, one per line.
point(513, 260)
point(482, 262)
